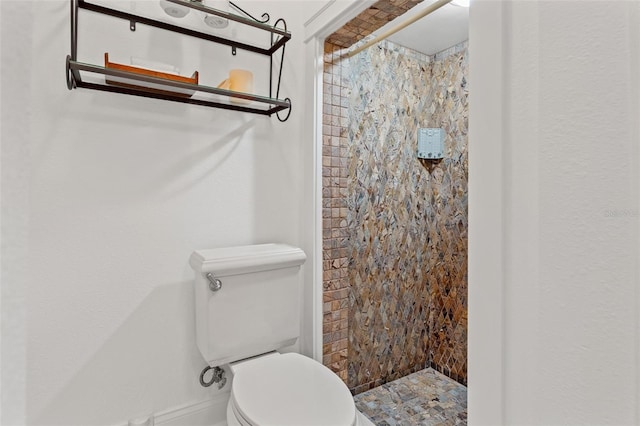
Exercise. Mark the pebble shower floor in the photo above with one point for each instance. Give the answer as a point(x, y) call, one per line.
point(422, 398)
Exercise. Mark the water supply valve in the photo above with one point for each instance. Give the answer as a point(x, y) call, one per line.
point(216, 377)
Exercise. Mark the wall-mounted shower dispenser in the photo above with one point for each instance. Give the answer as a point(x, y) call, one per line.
point(430, 143)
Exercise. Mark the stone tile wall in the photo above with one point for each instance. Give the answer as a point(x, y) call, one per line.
point(445, 346)
point(334, 213)
point(334, 173)
point(448, 278)
point(407, 219)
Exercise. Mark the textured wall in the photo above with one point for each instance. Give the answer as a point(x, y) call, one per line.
point(562, 220)
point(407, 219)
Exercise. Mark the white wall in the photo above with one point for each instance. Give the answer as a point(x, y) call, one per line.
point(554, 198)
point(105, 196)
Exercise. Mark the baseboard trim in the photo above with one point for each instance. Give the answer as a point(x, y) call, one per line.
point(210, 412)
point(181, 413)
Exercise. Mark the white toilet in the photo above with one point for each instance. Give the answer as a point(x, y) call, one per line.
point(247, 307)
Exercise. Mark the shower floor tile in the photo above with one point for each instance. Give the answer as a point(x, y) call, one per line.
point(423, 398)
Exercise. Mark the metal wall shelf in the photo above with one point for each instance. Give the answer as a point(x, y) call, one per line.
point(203, 95)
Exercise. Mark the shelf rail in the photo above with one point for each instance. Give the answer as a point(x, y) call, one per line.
point(74, 67)
point(133, 18)
point(278, 40)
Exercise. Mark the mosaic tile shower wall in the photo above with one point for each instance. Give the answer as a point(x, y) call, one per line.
point(334, 173)
point(448, 276)
point(334, 214)
point(407, 220)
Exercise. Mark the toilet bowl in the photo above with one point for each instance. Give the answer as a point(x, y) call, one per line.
point(247, 306)
point(288, 390)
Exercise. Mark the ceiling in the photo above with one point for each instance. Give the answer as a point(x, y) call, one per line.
point(434, 33)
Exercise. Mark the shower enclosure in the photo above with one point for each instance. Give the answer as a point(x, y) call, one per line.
point(394, 226)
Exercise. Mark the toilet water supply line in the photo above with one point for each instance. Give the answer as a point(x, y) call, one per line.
point(429, 9)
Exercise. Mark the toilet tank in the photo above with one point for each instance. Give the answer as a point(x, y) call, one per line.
point(256, 310)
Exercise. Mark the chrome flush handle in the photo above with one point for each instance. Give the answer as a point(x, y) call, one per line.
point(214, 283)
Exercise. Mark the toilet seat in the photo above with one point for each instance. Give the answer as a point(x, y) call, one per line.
point(289, 390)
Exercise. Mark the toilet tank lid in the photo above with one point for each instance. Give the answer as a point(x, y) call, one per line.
point(246, 259)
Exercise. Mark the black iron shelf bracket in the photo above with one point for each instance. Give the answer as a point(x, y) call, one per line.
point(265, 16)
point(279, 70)
point(278, 39)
